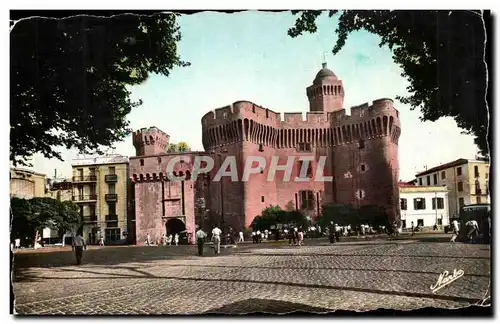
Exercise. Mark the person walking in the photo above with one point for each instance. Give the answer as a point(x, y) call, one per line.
point(254, 237)
point(216, 232)
point(337, 232)
point(148, 240)
point(169, 239)
point(472, 230)
point(176, 239)
point(455, 227)
point(241, 238)
point(78, 246)
point(17, 243)
point(291, 237)
point(259, 238)
point(300, 236)
point(412, 229)
point(331, 233)
point(200, 240)
point(101, 241)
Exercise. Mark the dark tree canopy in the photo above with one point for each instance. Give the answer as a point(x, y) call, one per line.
point(441, 54)
point(69, 77)
point(31, 215)
point(273, 215)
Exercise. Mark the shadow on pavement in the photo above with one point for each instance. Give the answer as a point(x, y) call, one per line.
point(255, 305)
point(108, 256)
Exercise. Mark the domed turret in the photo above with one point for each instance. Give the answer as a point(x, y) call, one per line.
point(327, 92)
point(325, 73)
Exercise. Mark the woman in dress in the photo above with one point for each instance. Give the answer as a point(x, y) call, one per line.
point(300, 235)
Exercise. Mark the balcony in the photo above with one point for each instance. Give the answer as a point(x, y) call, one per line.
point(88, 219)
point(111, 178)
point(111, 197)
point(111, 218)
point(89, 178)
point(82, 198)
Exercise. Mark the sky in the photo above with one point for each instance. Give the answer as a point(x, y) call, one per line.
point(249, 56)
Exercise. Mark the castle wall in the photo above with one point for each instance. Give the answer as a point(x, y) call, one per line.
point(148, 175)
point(367, 136)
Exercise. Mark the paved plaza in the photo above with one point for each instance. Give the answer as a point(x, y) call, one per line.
point(273, 278)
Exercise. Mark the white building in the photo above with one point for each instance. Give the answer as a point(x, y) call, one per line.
point(425, 206)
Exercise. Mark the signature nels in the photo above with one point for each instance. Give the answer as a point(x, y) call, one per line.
point(446, 278)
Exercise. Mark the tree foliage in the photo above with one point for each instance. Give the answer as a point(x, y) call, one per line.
point(273, 215)
point(441, 54)
point(179, 147)
point(69, 77)
point(344, 215)
point(31, 215)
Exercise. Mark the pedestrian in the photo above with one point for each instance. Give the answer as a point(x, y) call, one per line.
point(472, 230)
point(164, 239)
point(455, 227)
point(241, 238)
point(169, 239)
point(291, 237)
point(148, 240)
point(337, 232)
point(17, 242)
point(331, 233)
point(176, 239)
point(101, 241)
point(258, 236)
point(412, 229)
point(200, 240)
point(254, 237)
point(300, 235)
point(216, 232)
point(262, 236)
point(78, 246)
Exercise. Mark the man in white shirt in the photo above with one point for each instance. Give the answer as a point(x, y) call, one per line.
point(216, 232)
point(18, 243)
point(259, 238)
point(473, 230)
point(200, 240)
point(241, 239)
point(78, 246)
point(455, 230)
point(254, 237)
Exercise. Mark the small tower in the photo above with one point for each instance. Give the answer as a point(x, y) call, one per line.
point(150, 141)
point(326, 93)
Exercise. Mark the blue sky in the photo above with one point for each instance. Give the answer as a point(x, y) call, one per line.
point(249, 56)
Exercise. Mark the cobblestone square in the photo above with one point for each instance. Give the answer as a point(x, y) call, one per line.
point(273, 278)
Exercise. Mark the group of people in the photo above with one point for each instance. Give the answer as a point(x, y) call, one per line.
point(165, 240)
point(471, 227)
point(216, 236)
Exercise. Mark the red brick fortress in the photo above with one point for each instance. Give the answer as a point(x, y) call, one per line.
point(361, 150)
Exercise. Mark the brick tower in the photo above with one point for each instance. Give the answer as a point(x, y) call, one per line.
point(150, 141)
point(326, 94)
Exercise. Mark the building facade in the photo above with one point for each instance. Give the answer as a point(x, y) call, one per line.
point(100, 189)
point(425, 206)
point(467, 182)
point(26, 183)
point(361, 150)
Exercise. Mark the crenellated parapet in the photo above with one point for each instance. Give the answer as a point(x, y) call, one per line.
point(150, 141)
point(246, 121)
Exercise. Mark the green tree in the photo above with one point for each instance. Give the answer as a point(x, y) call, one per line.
point(69, 79)
point(183, 147)
point(373, 215)
point(33, 215)
point(67, 217)
point(179, 147)
point(339, 214)
point(441, 54)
